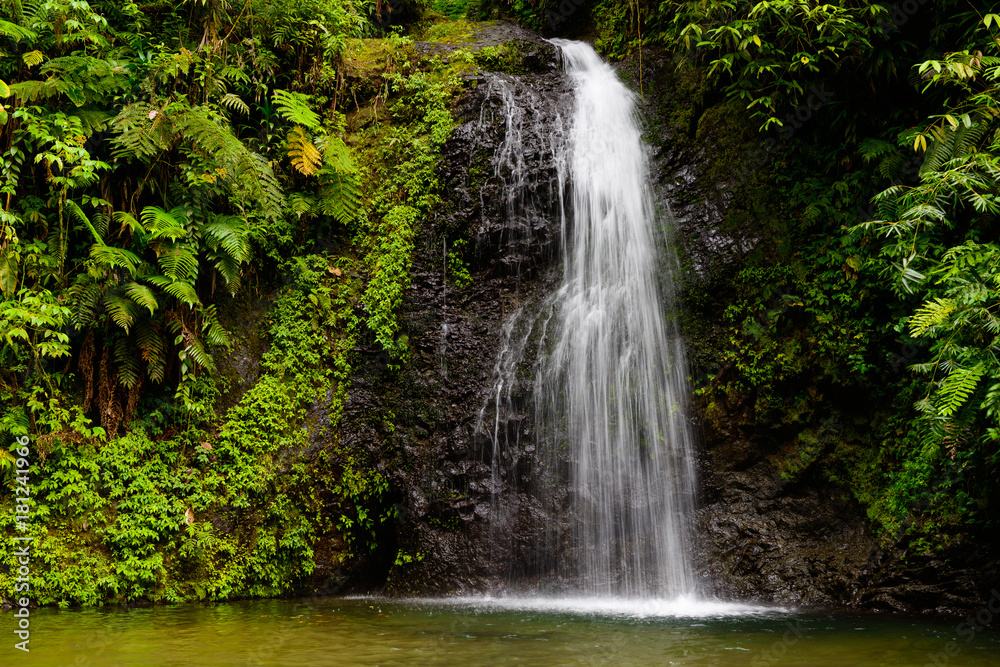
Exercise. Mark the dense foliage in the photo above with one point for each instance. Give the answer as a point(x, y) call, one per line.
point(167, 169)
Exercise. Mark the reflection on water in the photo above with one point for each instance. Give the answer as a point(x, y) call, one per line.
point(488, 631)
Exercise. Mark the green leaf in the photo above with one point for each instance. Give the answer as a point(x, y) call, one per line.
point(956, 389)
point(294, 107)
point(142, 295)
point(183, 291)
point(113, 257)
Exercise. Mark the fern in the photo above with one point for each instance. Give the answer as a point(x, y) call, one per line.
point(177, 261)
point(228, 241)
point(340, 198)
point(153, 349)
point(165, 224)
point(83, 79)
point(213, 331)
point(126, 364)
point(956, 389)
point(230, 232)
point(951, 143)
point(121, 309)
point(234, 103)
point(931, 315)
point(294, 107)
point(142, 295)
point(139, 133)
point(17, 32)
point(113, 257)
point(183, 292)
point(32, 58)
point(305, 157)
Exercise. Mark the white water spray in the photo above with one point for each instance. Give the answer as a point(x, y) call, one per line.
point(610, 382)
point(612, 385)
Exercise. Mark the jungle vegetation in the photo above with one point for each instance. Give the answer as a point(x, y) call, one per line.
point(160, 160)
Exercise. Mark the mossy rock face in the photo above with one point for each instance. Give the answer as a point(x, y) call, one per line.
point(365, 61)
point(495, 46)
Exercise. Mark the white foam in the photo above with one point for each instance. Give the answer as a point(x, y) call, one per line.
point(678, 607)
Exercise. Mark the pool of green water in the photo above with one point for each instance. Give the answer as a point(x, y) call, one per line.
point(478, 631)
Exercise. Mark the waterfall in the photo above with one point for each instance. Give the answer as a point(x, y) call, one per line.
point(610, 382)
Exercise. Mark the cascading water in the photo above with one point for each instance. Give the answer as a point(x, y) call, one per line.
point(610, 386)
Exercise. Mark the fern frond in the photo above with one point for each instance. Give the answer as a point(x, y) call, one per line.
point(128, 220)
point(140, 131)
point(305, 157)
point(77, 213)
point(294, 107)
point(121, 310)
point(84, 301)
point(230, 272)
point(126, 363)
point(154, 350)
point(341, 198)
point(16, 32)
point(183, 292)
point(113, 257)
point(300, 203)
point(32, 58)
point(956, 389)
point(933, 314)
point(337, 156)
point(177, 261)
point(93, 120)
point(213, 331)
point(230, 233)
point(142, 295)
point(254, 179)
point(196, 351)
point(164, 224)
point(234, 103)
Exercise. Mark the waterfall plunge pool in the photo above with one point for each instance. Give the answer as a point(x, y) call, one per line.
point(348, 632)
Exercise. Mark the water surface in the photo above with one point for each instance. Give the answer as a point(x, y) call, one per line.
point(483, 631)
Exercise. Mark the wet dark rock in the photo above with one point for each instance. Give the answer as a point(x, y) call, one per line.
point(438, 455)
